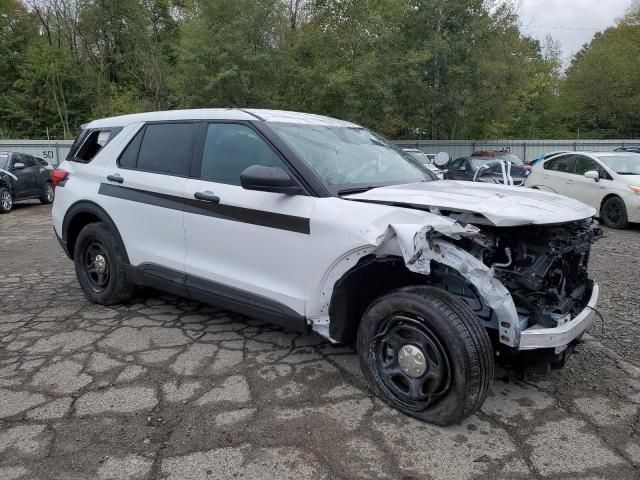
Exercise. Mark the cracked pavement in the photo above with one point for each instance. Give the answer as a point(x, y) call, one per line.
point(167, 388)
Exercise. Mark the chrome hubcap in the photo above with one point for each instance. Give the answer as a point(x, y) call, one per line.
point(49, 193)
point(100, 264)
point(412, 361)
point(6, 200)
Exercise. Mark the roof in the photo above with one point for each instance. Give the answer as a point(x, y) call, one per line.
point(272, 116)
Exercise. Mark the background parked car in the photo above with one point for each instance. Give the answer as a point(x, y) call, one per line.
point(425, 159)
point(503, 155)
point(483, 169)
point(608, 181)
point(628, 149)
point(23, 177)
point(544, 156)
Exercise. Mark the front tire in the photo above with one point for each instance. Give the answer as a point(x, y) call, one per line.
point(425, 353)
point(6, 200)
point(614, 213)
point(47, 194)
point(99, 263)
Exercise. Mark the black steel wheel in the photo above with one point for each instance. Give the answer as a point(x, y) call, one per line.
point(410, 362)
point(96, 265)
point(425, 353)
point(100, 265)
point(614, 213)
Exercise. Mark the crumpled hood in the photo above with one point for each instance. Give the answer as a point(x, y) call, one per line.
point(499, 204)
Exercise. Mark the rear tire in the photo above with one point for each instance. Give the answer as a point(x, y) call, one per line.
point(425, 353)
point(6, 200)
point(614, 213)
point(47, 194)
point(99, 261)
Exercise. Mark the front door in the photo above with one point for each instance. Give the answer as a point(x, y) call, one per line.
point(243, 244)
point(25, 176)
point(581, 188)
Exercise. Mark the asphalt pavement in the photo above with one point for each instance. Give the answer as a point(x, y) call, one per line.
point(166, 388)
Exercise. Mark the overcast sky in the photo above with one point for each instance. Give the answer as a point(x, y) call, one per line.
point(571, 22)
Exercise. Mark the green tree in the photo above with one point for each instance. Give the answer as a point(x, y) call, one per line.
point(600, 94)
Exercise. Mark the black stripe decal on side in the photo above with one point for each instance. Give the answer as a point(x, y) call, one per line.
point(261, 218)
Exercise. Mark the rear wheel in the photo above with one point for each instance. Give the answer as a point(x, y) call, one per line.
point(99, 263)
point(6, 200)
point(47, 194)
point(425, 353)
point(614, 213)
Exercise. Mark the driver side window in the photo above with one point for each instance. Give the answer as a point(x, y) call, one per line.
point(230, 148)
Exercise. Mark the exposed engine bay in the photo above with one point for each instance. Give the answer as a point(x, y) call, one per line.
point(543, 267)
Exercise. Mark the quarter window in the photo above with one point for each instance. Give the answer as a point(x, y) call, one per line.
point(165, 148)
point(560, 164)
point(93, 142)
point(231, 148)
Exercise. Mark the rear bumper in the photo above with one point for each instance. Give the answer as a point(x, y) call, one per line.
point(63, 244)
point(534, 338)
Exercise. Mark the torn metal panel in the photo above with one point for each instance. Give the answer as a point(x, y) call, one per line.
point(419, 245)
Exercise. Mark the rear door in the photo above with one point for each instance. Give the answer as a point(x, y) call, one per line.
point(248, 245)
point(143, 190)
point(555, 174)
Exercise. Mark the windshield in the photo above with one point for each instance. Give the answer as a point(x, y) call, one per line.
point(4, 159)
point(351, 157)
point(622, 164)
point(477, 162)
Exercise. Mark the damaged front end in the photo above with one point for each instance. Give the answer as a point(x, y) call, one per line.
point(544, 270)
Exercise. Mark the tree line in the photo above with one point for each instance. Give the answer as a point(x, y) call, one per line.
point(433, 69)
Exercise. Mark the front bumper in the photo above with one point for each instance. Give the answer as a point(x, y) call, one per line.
point(540, 337)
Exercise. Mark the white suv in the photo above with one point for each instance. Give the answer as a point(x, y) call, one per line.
point(318, 224)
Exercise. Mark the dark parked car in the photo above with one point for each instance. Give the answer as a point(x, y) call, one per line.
point(628, 149)
point(484, 169)
point(23, 177)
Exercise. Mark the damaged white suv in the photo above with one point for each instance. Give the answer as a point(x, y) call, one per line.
point(319, 224)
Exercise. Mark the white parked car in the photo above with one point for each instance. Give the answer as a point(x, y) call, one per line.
point(608, 181)
point(425, 159)
point(320, 225)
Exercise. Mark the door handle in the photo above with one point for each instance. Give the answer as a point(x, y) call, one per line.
point(115, 178)
point(207, 196)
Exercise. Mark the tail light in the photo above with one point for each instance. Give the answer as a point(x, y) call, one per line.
point(58, 176)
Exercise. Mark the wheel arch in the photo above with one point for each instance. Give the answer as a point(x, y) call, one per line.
point(608, 196)
point(81, 214)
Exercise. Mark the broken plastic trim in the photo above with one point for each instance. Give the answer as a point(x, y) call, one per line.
point(424, 248)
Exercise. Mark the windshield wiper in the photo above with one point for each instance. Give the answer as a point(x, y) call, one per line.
point(348, 191)
point(627, 173)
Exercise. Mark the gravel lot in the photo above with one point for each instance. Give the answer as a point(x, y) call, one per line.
point(167, 388)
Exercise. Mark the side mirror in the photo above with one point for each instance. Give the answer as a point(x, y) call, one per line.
point(268, 179)
point(592, 174)
point(18, 166)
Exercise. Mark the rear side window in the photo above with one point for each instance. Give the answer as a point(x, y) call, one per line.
point(166, 148)
point(90, 142)
point(560, 164)
point(230, 148)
